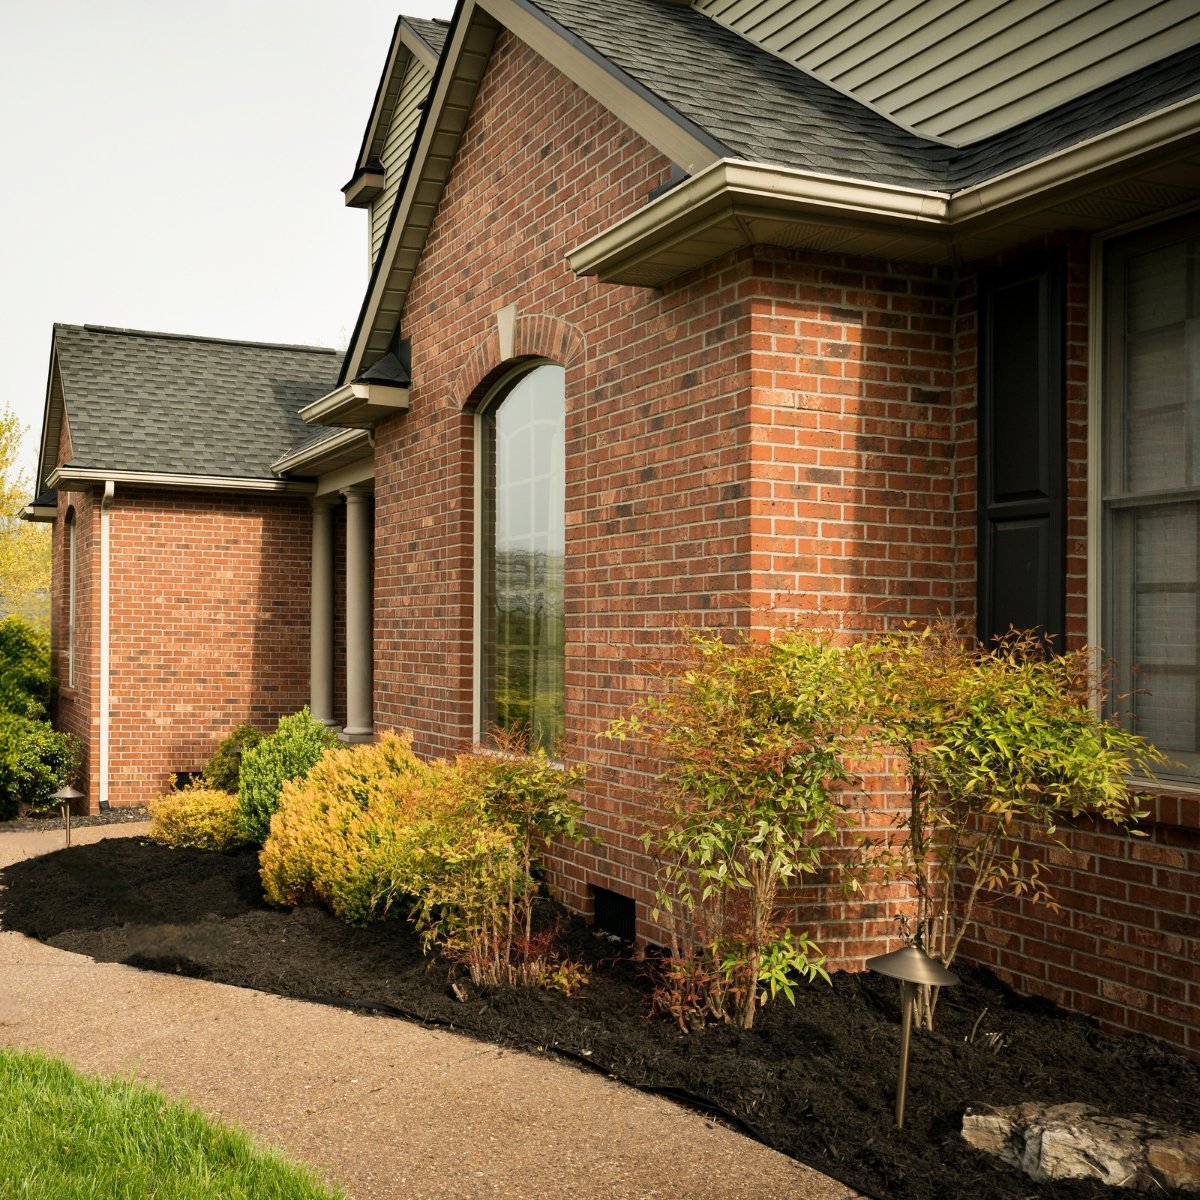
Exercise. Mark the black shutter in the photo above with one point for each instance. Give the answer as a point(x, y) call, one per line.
point(1022, 501)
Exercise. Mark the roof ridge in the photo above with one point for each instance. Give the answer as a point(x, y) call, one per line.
point(196, 337)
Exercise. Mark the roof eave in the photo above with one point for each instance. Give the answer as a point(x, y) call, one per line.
point(364, 187)
point(42, 514)
point(357, 405)
point(68, 478)
point(734, 204)
point(347, 446)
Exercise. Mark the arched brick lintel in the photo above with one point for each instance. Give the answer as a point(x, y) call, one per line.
point(533, 336)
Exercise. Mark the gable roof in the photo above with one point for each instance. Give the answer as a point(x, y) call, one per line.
point(138, 403)
point(412, 37)
point(827, 171)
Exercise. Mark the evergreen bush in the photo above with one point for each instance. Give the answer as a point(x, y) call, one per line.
point(202, 818)
point(35, 761)
point(289, 753)
point(342, 834)
point(222, 770)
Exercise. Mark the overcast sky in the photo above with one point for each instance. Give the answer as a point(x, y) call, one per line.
point(176, 164)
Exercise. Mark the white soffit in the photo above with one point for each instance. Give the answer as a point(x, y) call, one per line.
point(959, 71)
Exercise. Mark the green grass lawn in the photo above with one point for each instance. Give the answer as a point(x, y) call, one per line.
point(67, 1137)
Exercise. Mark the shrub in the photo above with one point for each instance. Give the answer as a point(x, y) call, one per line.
point(35, 761)
point(755, 734)
point(24, 669)
point(999, 745)
point(198, 817)
point(477, 861)
point(221, 771)
point(341, 835)
point(289, 753)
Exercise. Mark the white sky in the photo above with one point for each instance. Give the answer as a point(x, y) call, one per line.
point(176, 164)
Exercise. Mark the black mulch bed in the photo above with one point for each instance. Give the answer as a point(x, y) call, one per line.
point(815, 1081)
point(52, 819)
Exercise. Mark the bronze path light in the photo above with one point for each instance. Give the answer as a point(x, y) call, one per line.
point(913, 967)
point(66, 796)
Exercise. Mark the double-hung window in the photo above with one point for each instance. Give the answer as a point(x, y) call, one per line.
point(1151, 484)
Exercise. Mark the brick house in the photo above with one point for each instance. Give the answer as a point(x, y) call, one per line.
point(725, 311)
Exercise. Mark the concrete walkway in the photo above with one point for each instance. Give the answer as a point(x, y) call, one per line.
point(387, 1109)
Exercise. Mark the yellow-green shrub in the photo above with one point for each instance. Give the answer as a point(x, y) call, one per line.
point(199, 817)
point(342, 834)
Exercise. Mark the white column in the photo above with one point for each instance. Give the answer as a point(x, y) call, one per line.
point(359, 721)
point(320, 692)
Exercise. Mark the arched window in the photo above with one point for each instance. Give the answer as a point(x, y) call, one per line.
point(522, 490)
point(71, 572)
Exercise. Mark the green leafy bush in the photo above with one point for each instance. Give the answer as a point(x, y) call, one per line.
point(35, 761)
point(341, 835)
point(1000, 746)
point(756, 735)
point(24, 669)
point(476, 863)
point(289, 753)
point(222, 770)
point(197, 817)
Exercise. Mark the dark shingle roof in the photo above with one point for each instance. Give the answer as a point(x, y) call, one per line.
point(432, 33)
point(760, 108)
point(164, 403)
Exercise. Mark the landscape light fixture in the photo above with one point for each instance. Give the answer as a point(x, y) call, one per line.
point(913, 967)
point(66, 796)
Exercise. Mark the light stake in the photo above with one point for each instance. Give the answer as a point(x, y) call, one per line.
point(913, 967)
point(66, 796)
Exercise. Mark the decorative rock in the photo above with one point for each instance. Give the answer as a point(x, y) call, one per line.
point(1075, 1141)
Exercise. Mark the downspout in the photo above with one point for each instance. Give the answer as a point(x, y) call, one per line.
point(105, 630)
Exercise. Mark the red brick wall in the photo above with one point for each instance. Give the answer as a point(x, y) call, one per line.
point(209, 626)
point(772, 434)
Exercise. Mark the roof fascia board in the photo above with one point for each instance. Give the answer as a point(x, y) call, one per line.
point(311, 460)
point(681, 140)
point(731, 186)
point(356, 404)
point(1115, 147)
point(467, 52)
point(381, 90)
point(54, 416)
point(472, 34)
point(72, 479)
point(39, 514)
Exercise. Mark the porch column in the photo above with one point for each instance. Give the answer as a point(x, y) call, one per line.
point(320, 691)
point(359, 722)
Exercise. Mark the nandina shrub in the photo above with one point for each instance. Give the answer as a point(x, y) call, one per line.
point(341, 836)
point(756, 735)
point(222, 770)
point(289, 753)
point(476, 873)
point(1000, 746)
point(202, 818)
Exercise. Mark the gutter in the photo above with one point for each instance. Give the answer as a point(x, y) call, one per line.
point(68, 478)
point(106, 500)
point(356, 442)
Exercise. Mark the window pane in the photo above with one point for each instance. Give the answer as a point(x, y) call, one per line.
point(524, 497)
point(1152, 431)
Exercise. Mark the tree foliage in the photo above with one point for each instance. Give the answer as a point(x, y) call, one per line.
point(24, 548)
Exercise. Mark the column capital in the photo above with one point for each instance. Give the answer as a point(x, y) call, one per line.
point(325, 502)
point(359, 492)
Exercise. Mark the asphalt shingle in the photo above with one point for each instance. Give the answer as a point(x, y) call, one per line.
point(760, 108)
point(164, 403)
